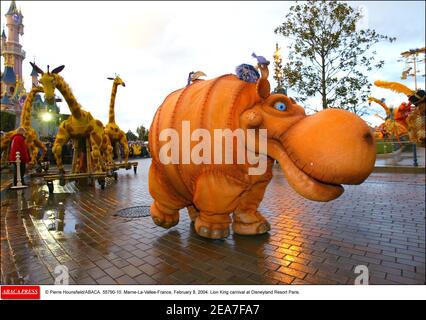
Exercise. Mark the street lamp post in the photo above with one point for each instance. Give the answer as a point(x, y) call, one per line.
point(47, 117)
point(278, 71)
point(411, 57)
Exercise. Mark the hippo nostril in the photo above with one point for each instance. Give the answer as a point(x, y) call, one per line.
point(368, 138)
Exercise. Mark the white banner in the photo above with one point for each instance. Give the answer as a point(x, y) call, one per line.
point(237, 292)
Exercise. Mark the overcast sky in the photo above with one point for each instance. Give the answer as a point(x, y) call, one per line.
point(154, 45)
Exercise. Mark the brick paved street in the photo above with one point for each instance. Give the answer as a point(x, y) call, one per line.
point(380, 224)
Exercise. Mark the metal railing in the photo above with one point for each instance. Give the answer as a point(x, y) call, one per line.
point(400, 152)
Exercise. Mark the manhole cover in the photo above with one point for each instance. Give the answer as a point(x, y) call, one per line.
point(133, 212)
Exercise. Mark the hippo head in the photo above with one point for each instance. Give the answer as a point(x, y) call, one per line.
point(318, 153)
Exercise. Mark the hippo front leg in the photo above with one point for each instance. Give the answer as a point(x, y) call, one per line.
point(247, 220)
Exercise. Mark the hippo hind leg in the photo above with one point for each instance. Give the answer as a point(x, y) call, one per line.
point(193, 212)
point(246, 219)
point(163, 216)
point(166, 206)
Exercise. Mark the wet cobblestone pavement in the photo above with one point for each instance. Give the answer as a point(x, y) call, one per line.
point(380, 224)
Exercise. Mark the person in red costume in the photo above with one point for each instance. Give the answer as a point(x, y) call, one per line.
point(17, 144)
point(402, 112)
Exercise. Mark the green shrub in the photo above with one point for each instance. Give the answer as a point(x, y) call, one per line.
point(384, 147)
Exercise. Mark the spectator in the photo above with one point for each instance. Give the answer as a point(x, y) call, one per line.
point(17, 144)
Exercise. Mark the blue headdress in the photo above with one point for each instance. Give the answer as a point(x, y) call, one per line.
point(247, 73)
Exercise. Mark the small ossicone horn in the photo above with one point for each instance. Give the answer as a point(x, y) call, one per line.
point(48, 68)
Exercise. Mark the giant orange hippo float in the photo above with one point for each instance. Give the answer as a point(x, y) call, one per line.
point(317, 153)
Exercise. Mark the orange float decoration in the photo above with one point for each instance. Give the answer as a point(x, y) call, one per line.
point(317, 153)
point(394, 125)
point(415, 116)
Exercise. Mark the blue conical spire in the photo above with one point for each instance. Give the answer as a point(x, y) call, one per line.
point(34, 72)
point(9, 75)
point(12, 9)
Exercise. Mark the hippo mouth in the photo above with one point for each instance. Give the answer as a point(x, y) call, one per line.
point(303, 183)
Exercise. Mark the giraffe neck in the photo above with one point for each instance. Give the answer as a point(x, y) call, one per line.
point(69, 97)
point(28, 107)
point(112, 103)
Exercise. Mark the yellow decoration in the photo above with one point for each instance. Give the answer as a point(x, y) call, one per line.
point(415, 122)
point(381, 103)
point(390, 127)
point(115, 134)
point(394, 86)
point(31, 139)
point(80, 124)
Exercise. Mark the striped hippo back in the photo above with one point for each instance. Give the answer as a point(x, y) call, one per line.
point(207, 104)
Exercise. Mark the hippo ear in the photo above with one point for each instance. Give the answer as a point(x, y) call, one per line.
point(263, 86)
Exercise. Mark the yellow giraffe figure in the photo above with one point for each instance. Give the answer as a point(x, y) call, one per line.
point(80, 124)
point(115, 134)
point(31, 138)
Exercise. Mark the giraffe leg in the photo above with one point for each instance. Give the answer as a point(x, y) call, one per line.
point(4, 144)
point(61, 138)
point(75, 157)
point(33, 155)
point(43, 148)
point(107, 151)
point(125, 146)
point(96, 144)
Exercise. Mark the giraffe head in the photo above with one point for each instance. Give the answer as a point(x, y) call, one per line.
point(117, 80)
point(48, 80)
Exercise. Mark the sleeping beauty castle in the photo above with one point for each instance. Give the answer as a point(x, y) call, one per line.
point(13, 93)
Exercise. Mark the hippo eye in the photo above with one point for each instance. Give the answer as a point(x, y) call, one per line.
point(280, 106)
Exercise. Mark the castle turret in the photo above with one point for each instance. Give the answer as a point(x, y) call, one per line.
point(34, 77)
point(8, 79)
point(12, 82)
point(3, 38)
point(12, 49)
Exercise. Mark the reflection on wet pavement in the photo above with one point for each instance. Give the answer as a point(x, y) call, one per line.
point(380, 224)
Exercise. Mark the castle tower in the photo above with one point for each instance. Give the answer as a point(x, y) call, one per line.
point(34, 77)
point(3, 38)
point(12, 49)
